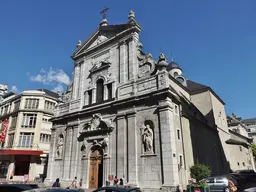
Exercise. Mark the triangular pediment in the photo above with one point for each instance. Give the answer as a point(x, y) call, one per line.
point(100, 36)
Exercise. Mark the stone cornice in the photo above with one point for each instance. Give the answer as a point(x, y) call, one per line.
point(135, 100)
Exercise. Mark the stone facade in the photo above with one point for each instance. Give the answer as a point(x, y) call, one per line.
point(130, 116)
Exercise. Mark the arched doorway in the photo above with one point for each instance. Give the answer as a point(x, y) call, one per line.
point(96, 168)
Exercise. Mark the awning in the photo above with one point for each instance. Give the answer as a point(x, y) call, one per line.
point(20, 152)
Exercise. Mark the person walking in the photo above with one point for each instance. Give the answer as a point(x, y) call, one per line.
point(56, 183)
point(74, 183)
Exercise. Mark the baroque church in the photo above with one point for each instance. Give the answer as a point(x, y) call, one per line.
point(128, 115)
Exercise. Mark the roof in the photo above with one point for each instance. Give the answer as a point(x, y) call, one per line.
point(50, 93)
point(193, 86)
point(8, 94)
point(196, 88)
point(173, 65)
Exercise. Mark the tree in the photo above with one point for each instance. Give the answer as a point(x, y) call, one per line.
point(254, 150)
point(200, 171)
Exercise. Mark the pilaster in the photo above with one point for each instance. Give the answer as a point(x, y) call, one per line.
point(122, 60)
point(170, 175)
point(132, 155)
point(68, 153)
point(132, 59)
point(51, 155)
point(74, 163)
point(121, 146)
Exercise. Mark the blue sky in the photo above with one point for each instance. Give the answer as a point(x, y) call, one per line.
point(213, 41)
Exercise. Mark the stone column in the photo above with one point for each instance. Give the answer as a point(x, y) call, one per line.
point(121, 127)
point(68, 153)
point(51, 162)
point(114, 90)
point(132, 175)
point(105, 96)
point(86, 98)
point(93, 95)
point(168, 145)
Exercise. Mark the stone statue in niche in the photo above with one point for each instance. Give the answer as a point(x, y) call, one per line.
point(60, 146)
point(147, 139)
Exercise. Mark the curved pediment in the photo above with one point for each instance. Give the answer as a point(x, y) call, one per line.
point(96, 126)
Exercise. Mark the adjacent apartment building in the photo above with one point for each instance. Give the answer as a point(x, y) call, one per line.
point(26, 133)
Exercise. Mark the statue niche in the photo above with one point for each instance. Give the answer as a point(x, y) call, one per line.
point(96, 126)
point(59, 148)
point(148, 137)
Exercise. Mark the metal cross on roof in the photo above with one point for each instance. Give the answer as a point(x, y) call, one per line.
point(103, 12)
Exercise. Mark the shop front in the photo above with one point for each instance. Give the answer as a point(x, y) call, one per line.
point(24, 165)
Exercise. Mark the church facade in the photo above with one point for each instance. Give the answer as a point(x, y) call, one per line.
point(128, 115)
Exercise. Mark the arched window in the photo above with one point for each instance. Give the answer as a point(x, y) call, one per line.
point(100, 91)
point(175, 74)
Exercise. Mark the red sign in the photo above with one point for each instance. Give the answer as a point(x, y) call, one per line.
point(4, 129)
point(197, 190)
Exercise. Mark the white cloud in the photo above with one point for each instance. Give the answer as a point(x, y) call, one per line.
point(58, 88)
point(51, 76)
point(56, 77)
point(14, 89)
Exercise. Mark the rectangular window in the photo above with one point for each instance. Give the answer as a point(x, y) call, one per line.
point(16, 105)
point(45, 138)
point(13, 122)
point(29, 120)
point(178, 134)
point(26, 140)
point(181, 161)
point(49, 106)
point(31, 103)
point(10, 140)
point(240, 147)
point(109, 87)
point(90, 97)
point(6, 109)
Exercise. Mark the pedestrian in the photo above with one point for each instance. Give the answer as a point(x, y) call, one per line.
point(56, 183)
point(115, 180)
point(74, 183)
point(121, 182)
point(81, 183)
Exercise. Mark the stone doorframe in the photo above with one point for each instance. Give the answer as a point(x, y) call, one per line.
point(85, 164)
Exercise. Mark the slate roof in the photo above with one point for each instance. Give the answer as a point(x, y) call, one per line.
point(50, 93)
point(193, 86)
point(173, 65)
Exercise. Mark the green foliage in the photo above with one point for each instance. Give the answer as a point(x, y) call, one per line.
point(254, 150)
point(200, 171)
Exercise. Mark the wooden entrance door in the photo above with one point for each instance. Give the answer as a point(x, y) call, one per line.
point(96, 172)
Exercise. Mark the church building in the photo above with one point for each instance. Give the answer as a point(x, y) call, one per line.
point(128, 115)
